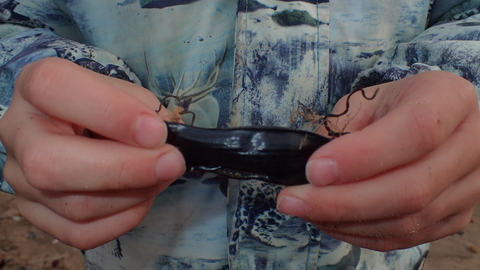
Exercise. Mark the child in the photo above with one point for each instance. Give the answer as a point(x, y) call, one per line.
point(86, 153)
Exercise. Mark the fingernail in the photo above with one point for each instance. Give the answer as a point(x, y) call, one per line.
point(170, 166)
point(292, 206)
point(322, 171)
point(150, 131)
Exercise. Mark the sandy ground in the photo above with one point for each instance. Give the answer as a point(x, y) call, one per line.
point(23, 247)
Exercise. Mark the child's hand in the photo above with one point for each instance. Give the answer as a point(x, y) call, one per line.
point(408, 173)
point(86, 153)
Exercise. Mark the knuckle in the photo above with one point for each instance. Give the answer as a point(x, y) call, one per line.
point(426, 127)
point(124, 175)
point(34, 163)
point(462, 91)
point(128, 174)
point(77, 208)
point(38, 76)
point(337, 211)
point(110, 107)
point(410, 225)
point(413, 196)
point(428, 121)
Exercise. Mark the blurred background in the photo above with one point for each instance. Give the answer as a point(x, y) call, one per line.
point(23, 247)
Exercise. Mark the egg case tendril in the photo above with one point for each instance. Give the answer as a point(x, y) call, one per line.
point(326, 122)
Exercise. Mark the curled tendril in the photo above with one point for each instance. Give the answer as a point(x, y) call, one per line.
point(182, 107)
point(326, 121)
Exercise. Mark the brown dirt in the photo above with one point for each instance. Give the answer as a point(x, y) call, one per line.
point(457, 252)
point(23, 247)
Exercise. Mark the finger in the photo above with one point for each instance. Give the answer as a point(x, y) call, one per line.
point(139, 92)
point(457, 199)
point(413, 127)
point(83, 235)
point(80, 206)
point(437, 231)
point(89, 164)
point(142, 94)
point(89, 100)
point(403, 191)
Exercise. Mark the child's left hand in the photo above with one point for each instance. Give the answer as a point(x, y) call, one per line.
point(409, 171)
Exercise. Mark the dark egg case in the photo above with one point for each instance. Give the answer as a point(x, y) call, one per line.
point(272, 154)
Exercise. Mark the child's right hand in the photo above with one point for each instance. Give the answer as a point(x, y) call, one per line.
point(86, 153)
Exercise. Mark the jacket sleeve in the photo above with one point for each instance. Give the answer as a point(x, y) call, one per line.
point(26, 38)
point(452, 44)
